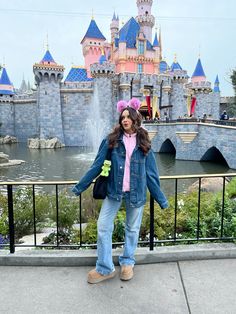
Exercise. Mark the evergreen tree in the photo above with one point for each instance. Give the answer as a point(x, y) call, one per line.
point(232, 106)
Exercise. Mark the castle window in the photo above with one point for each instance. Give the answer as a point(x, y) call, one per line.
point(140, 68)
point(140, 47)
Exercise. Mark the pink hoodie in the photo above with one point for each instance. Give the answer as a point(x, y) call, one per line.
point(130, 143)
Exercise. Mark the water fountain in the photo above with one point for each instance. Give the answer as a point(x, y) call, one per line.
point(97, 127)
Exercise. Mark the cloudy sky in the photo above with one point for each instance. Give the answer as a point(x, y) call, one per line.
point(189, 27)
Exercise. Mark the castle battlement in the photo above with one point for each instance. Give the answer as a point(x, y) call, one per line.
point(202, 86)
point(104, 69)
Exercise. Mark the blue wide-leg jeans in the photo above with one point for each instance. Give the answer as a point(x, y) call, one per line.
point(105, 226)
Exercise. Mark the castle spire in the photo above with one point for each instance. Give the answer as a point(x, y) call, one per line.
point(198, 74)
point(216, 85)
point(160, 44)
point(155, 42)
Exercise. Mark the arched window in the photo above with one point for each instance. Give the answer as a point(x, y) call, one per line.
point(141, 47)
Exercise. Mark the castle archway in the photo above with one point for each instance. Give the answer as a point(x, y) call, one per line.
point(214, 155)
point(167, 147)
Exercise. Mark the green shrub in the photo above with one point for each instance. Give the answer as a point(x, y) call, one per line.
point(23, 212)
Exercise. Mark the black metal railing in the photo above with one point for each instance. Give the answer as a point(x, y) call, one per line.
point(11, 186)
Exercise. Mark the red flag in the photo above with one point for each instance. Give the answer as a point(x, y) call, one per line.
point(148, 101)
point(193, 105)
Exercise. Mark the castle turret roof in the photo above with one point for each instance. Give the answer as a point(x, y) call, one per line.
point(155, 42)
point(77, 74)
point(6, 87)
point(93, 31)
point(48, 58)
point(129, 32)
point(199, 69)
point(175, 66)
point(216, 85)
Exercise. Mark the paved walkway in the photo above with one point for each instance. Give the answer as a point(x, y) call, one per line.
point(195, 286)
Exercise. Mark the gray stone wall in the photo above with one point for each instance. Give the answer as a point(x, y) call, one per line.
point(178, 100)
point(26, 121)
point(7, 113)
point(75, 111)
point(49, 110)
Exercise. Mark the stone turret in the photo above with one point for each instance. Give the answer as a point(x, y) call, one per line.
point(48, 76)
point(92, 44)
point(145, 19)
point(178, 93)
point(103, 74)
point(6, 104)
point(201, 88)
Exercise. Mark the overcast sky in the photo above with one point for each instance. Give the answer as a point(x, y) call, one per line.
point(188, 27)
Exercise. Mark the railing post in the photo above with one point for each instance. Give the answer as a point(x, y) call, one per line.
point(151, 238)
point(11, 218)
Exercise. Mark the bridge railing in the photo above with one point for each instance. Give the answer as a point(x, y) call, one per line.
point(192, 120)
point(11, 188)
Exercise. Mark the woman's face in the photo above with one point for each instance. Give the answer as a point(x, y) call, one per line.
point(126, 122)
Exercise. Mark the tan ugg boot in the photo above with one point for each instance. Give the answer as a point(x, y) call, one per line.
point(127, 272)
point(95, 277)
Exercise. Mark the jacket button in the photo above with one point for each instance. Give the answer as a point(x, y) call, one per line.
point(120, 167)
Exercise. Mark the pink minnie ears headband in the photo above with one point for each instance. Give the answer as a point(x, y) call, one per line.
point(133, 103)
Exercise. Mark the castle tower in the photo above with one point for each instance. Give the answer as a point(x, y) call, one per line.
point(201, 88)
point(145, 19)
point(103, 74)
point(178, 97)
point(6, 104)
point(92, 44)
point(114, 27)
point(48, 76)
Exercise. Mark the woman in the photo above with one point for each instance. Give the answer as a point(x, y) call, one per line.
point(133, 169)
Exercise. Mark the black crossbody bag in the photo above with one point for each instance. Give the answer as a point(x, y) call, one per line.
point(100, 185)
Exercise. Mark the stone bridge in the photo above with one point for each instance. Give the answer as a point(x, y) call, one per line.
point(195, 141)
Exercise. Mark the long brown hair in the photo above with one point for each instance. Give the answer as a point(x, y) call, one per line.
point(142, 135)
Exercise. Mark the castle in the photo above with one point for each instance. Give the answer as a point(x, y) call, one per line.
point(130, 64)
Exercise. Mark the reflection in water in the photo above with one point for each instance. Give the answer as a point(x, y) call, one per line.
point(70, 163)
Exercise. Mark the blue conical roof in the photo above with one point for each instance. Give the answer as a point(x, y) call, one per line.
point(199, 69)
point(216, 86)
point(217, 79)
point(114, 17)
point(48, 57)
point(5, 78)
point(6, 87)
point(93, 32)
point(175, 66)
point(155, 42)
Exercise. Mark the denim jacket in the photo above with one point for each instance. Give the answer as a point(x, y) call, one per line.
point(143, 175)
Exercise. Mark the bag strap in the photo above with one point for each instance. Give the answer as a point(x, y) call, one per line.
point(108, 157)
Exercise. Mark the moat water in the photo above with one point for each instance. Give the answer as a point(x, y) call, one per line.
point(70, 163)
